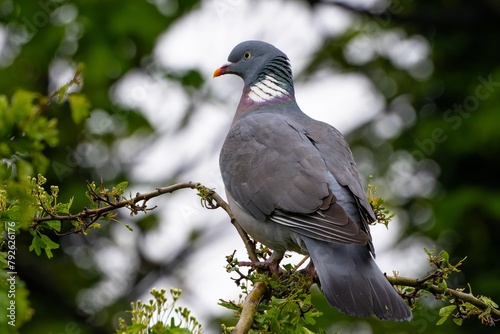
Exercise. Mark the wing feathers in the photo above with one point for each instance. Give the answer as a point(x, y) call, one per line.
point(323, 226)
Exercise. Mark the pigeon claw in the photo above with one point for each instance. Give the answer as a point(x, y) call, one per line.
point(271, 265)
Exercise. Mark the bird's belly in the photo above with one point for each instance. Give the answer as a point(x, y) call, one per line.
point(273, 235)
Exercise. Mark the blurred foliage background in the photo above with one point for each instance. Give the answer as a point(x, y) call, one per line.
point(435, 147)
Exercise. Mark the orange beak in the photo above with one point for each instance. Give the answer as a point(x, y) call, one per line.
point(220, 71)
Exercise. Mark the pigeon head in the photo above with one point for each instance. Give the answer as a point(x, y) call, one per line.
point(263, 68)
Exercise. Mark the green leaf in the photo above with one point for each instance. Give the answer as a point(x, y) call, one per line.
point(458, 321)
point(4, 103)
point(119, 189)
point(54, 224)
point(61, 92)
point(444, 313)
point(3, 260)
point(136, 328)
point(37, 245)
point(80, 107)
point(63, 208)
point(49, 245)
point(488, 301)
point(79, 70)
point(229, 305)
point(4, 115)
point(442, 286)
point(173, 330)
point(42, 241)
point(445, 256)
point(22, 105)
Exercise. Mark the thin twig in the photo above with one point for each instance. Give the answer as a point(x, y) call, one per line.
point(432, 275)
point(301, 262)
point(435, 290)
point(249, 245)
point(92, 213)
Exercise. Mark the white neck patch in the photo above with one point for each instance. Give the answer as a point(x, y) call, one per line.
point(266, 90)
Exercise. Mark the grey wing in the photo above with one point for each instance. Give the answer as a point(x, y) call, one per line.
point(272, 169)
point(340, 162)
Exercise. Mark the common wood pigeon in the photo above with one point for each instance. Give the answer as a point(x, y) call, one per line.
point(292, 184)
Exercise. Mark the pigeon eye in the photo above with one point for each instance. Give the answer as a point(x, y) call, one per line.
point(246, 55)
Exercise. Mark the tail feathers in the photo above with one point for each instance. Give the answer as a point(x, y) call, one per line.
point(352, 282)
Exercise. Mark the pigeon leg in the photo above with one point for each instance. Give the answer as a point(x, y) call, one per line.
point(271, 264)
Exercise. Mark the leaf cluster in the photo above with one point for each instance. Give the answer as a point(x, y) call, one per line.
point(26, 131)
point(382, 214)
point(159, 316)
point(286, 307)
point(459, 304)
point(460, 308)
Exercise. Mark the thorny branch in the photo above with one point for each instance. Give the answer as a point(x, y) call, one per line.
point(90, 216)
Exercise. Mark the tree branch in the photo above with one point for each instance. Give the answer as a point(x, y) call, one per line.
point(249, 308)
point(436, 291)
point(130, 203)
point(207, 195)
point(249, 244)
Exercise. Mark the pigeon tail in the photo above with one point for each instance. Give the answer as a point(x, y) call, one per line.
point(352, 282)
